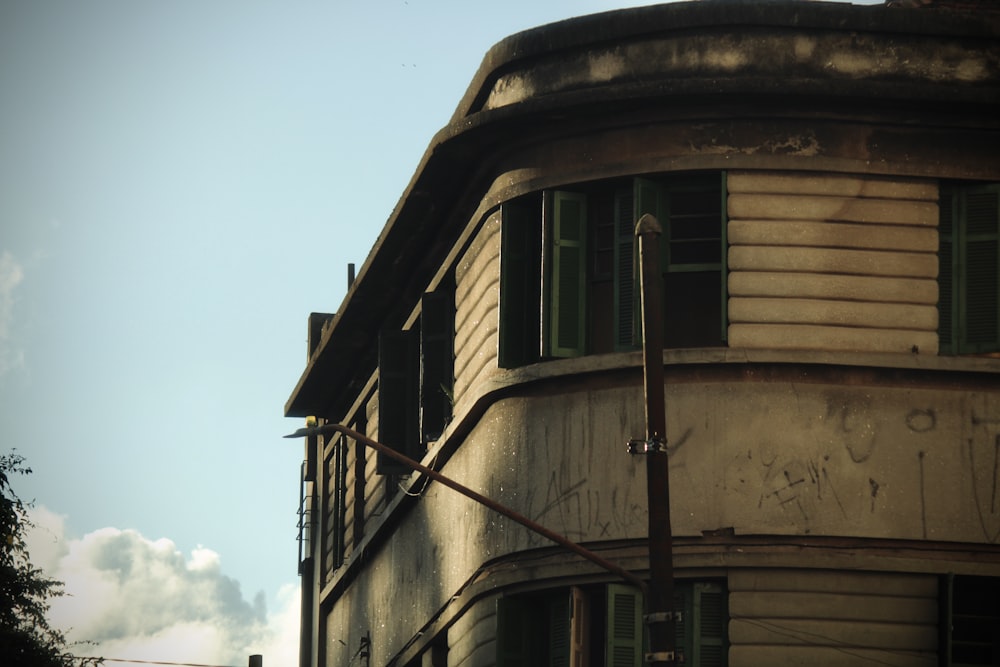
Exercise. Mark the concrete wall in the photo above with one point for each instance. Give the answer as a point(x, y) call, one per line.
point(763, 449)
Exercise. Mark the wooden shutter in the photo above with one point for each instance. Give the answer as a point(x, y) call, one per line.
point(579, 654)
point(567, 317)
point(559, 629)
point(708, 616)
point(628, 329)
point(981, 311)
point(946, 273)
point(398, 398)
point(515, 618)
point(335, 507)
point(683, 627)
point(437, 361)
point(624, 632)
point(520, 282)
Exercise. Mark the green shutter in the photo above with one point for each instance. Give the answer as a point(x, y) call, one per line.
point(559, 640)
point(518, 627)
point(337, 470)
point(628, 332)
point(968, 275)
point(724, 254)
point(567, 319)
point(624, 633)
point(520, 281)
point(708, 617)
point(437, 317)
point(398, 398)
point(981, 312)
point(946, 273)
point(683, 627)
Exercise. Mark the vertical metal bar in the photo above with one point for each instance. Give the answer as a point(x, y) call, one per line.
point(660, 596)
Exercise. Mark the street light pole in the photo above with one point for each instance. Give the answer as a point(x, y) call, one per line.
point(660, 616)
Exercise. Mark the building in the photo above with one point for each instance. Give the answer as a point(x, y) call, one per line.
point(828, 181)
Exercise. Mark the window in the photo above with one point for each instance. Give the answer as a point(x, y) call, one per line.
point(398, 388)
point(602, 625)
point(416, 379)
point(437, 361)
point(968, 276)
point(972, 630)
point(568, 284)
point(335, 511)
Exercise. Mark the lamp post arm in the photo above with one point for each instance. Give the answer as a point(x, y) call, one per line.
point(513, 515)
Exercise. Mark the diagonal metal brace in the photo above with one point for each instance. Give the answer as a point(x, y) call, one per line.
point(583, 552)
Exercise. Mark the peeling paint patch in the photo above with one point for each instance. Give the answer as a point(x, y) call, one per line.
point(800, 145)
point(606, 67)
point(509, 90)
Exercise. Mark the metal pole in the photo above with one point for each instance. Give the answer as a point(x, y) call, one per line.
point(256, 661)
point(660, 595)
point(478, 497)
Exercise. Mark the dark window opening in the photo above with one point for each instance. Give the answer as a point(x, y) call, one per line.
point(973, 627)
point(969, 270)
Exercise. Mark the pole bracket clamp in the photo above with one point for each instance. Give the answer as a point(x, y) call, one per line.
point(672, 657)
point(651, 446)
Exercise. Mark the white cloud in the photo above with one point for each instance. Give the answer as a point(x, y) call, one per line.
point(11, 275)
point(142, 599)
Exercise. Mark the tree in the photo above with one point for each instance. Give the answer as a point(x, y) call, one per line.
point(26, 638)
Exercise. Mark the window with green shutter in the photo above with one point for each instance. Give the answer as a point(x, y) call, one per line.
point(602, 625)
point(568, 266)
point(968, 273)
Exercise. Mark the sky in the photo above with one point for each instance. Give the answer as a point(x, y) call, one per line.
point(181, 183)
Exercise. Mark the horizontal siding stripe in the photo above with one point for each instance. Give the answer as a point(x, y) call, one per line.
point(835, 313)
point(824, 617)
point(811, 656)
point(834, 606)
point(834, 286)
point(827, 581)
point(472, 638)
point(846, 339)
point(805, 183)
point(820, 260)
point(832, 209)
point(844, 634)
point(826, 235)
point(477, 306)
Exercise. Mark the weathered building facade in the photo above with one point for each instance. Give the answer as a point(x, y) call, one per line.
point(826, 176)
